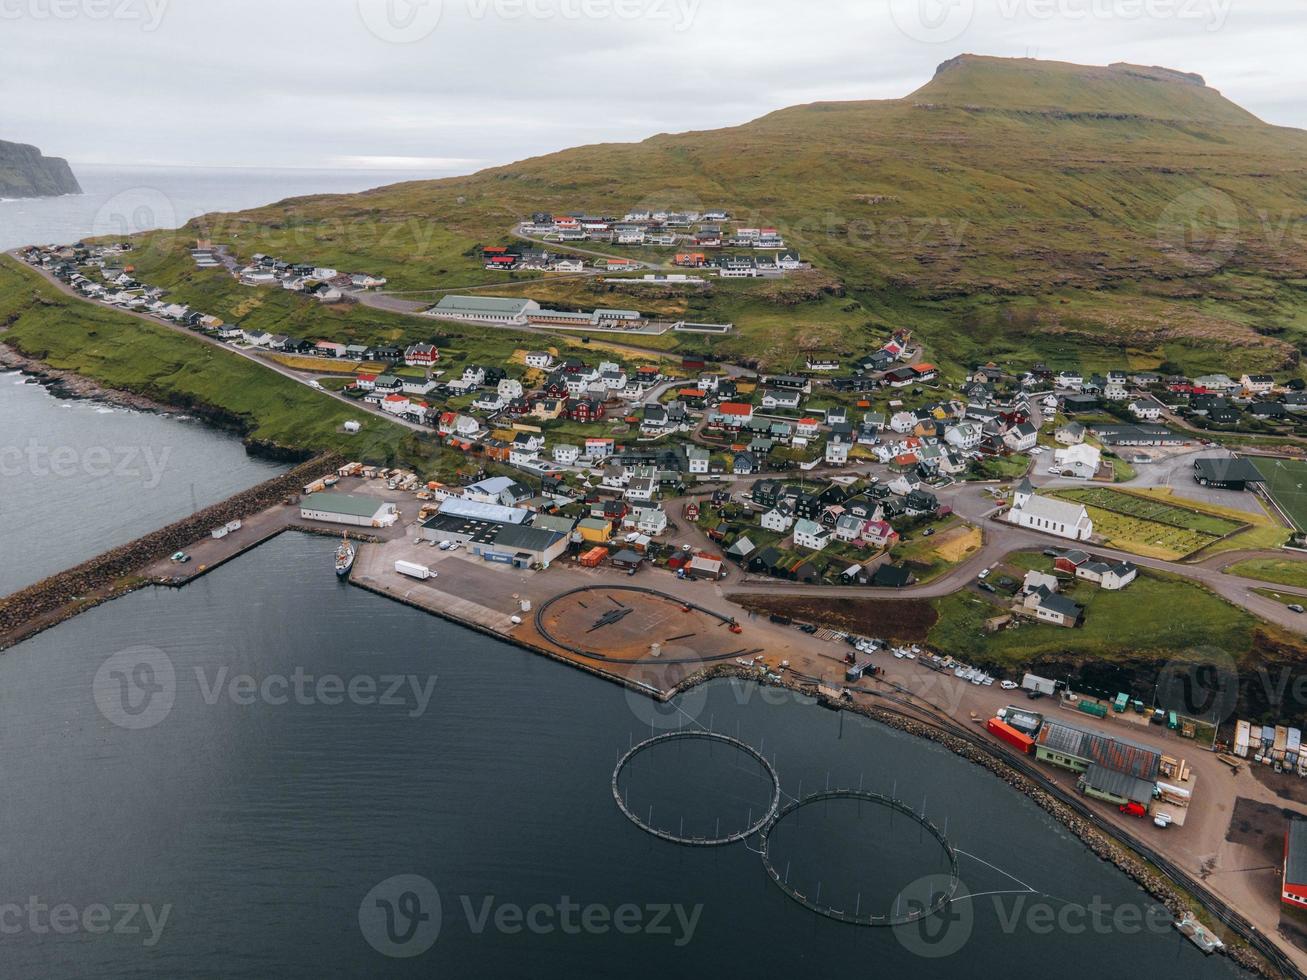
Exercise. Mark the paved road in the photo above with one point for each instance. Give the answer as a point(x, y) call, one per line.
point(249, 355)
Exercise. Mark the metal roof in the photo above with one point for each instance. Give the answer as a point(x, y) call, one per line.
point(1119, 784)
point(1295, 857)
point(343, 503)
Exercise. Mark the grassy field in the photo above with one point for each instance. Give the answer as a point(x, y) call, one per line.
point(930, 557)
point(1119, 626)
point(1150, 526)
point(125, 352)
point(1286, 481)
point(1281, 571)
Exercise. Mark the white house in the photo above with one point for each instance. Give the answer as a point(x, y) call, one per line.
point(1112, 576)
point(1115, 391)
point(539, 360)
point(780, 518)
point(1258, 384)
point(1048, 514)
point(649, 520)
point(1071, 434)
point(698, 459)
point(837, 453)
point(1081, 462)
point(510, 388)
point(566, 455)
point(1021, 438)
point(1146, 409)
point(811, 535)
point(964, 435)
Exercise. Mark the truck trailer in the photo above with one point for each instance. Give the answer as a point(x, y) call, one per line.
point(1033, 682)
point(414, 570)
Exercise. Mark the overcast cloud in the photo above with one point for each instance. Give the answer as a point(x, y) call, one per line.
point(452, 86)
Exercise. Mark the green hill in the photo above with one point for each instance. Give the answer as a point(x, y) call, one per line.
point(1008, 208)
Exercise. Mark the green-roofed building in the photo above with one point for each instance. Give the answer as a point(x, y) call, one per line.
point(484, 309)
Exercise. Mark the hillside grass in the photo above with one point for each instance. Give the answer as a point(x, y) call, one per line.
point(1151, 222)
point(1119, 626)
point(1280, 571)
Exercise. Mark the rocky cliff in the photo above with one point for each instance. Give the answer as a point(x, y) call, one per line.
point(25, 172)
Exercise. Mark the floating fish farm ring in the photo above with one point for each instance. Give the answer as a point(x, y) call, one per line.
point(938, 902)
point(768, 815)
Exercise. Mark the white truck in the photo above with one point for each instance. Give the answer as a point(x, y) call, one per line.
point(414, 570)
point(1042, 685)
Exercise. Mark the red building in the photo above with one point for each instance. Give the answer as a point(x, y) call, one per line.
point(586, 410)
point(1294, 888)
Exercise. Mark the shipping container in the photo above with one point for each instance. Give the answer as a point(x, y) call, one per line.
point(1032, 682)
point(1006, 733)
point(413, 570)
point(1281, 743)
point(1241, 739)
point(1091, 708)
point(1122, 701)
point(1172, 722)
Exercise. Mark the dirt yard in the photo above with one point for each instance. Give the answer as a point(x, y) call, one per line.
point(889, 619)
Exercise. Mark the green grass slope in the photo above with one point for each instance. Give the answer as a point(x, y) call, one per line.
point(1012, 207)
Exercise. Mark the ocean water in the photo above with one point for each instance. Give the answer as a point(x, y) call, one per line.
point(120, 201)
point(79, 477)
point(262, 823)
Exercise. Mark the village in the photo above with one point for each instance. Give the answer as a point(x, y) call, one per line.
point(1029, 494)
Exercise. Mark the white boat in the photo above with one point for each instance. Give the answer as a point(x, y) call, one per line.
point(345, 555)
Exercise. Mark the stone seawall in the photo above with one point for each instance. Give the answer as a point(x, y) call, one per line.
point(117, 571)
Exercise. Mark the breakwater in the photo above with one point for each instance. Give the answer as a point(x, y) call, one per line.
point(118, 571)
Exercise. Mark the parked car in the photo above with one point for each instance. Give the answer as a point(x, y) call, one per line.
point(1008, 685)
point(1295, 608)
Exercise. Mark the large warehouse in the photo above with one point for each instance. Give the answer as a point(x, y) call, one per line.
point(522, 546)
point(346, 508)
point(484, 309)
point(1231, 473)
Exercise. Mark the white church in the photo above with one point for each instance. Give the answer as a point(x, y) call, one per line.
point(1050, 515)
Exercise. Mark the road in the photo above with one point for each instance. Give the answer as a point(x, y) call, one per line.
point(299, 377)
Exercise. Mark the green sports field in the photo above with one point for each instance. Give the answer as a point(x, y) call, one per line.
point(1286, 480)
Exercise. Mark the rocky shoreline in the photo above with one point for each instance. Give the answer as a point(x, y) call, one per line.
point(66, 384)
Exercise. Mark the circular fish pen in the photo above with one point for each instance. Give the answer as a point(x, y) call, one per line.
point(769, 813)
point(935, 902)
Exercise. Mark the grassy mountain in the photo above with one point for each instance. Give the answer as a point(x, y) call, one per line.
point(1008, 208)
point(25, 172)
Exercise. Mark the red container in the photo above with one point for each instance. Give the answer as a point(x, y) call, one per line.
point(1018, 740)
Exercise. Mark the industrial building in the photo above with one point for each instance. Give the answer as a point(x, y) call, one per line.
point(1226, 474)
point(458, 530)
point(345, 508)
point(484, 309)
point(1078, 749)
point(1293, 890)
point(523, 547)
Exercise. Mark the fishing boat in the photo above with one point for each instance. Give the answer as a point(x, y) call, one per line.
point(344, 557)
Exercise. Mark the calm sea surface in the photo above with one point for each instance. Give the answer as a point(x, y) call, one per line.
point(261, 818)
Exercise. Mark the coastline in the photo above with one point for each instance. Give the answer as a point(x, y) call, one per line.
point(68, 385)
point(119, 572)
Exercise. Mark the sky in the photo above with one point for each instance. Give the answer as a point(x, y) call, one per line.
point(451, 86)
